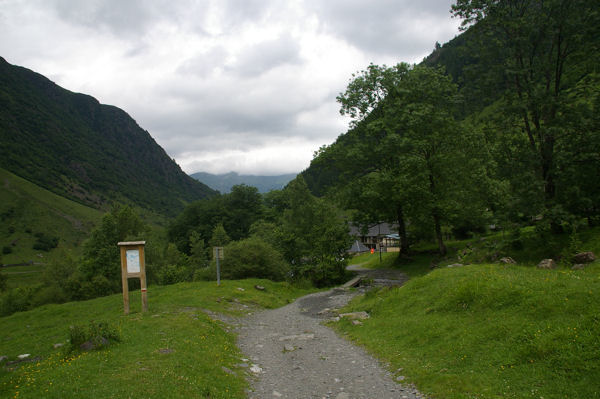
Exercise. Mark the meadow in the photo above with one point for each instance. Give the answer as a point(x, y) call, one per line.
point(174, 350)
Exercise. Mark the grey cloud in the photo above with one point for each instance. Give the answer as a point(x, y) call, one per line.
point(384, 26)
point(262, 57)
point(204, 64)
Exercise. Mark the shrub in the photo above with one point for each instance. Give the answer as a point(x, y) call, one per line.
point(98, 334)
point(253, 257)
point(44, 242)
point(15, 300)
point(6, 250)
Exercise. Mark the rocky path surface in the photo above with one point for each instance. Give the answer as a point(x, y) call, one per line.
point(293, 355)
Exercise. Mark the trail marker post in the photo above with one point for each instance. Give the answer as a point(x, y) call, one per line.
point(133, 265)
point(218, 255)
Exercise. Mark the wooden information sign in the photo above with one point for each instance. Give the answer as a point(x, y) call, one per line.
point(133, 265)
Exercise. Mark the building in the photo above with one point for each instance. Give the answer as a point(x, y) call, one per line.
point(378, 235)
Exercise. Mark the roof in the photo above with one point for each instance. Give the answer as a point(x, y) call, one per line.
point(358, 246)
point(375, 230)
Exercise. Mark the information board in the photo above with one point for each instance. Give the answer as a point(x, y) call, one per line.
point(133, 261)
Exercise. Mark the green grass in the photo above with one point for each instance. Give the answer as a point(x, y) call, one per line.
point(134, 367)
point(489, 331)
point(26, 209)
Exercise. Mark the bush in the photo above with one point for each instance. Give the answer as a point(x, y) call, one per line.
point(253, 258)
point(15, 300)
point(98, 333)
point(6, 250)
point(44, 242)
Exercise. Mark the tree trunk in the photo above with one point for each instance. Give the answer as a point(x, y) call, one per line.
point(438, 233)
point(404, 244)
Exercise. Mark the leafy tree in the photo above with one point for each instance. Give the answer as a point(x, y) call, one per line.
point(315, 236)
point(219, 236)
point(547, 47)
point(243, 206)
point(415, 164)
point(252, 257)
point(101, 256)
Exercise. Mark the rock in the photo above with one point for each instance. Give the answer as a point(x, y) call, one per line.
point(335, 318)
point(584, 257)
point(400, 378)
point(507, 260)
point(3, 358)
point(277, 394)
point(259, 287)
point(24, 356)
point(324, 311)
point(455, 265)
point(240, 289)
point(165, 351)
point(343, 395)
point(547, 264)
point(59, 345)
point(255, 369)
point(355, 315)
point(289, 348)
point(356, 322)
point(228, 371)
point(578, 266)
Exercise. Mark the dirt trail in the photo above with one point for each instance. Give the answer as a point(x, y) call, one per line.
point(294, 356)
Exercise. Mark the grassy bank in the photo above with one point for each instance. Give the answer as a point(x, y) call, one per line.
point(175, 350)
point(489, 331)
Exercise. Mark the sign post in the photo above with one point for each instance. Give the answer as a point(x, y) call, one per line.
point(218, 255)
point(133, 265)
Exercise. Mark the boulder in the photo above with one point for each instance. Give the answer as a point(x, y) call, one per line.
point(507, 260)
point(578, 266)
point(455, 265)
point(547, 264)
point(584, 257)
point(259, 287)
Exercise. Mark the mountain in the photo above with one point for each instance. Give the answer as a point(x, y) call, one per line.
point(224, 182)
point(89, 152)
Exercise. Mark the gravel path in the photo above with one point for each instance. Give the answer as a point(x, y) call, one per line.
point(294, 356)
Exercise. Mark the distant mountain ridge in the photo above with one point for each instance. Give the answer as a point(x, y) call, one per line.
point(78, 148)
point(224, 182)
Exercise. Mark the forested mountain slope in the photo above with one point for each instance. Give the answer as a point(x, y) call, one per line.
point(76, 147)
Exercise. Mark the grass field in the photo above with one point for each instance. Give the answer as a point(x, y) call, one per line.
point(489, 331)
point(175, 350)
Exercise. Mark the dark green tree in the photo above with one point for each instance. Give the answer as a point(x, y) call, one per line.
point(101, 260)
point(547, 47)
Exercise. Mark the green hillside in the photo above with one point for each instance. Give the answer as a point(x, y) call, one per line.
point(27, 210)
point(78, 148)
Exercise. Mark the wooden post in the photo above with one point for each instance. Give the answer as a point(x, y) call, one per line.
point(124, 281)
point(133, 264)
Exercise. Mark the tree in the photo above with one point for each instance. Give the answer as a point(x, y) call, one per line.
point(547, 46)
point(219, 236)
point(315, 236)
point(243, 206)
point(101, 254)
point(416, 164)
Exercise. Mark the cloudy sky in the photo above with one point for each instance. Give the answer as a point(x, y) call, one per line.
point(222, 85)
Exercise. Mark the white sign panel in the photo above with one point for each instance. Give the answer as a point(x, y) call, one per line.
point(133, 261)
